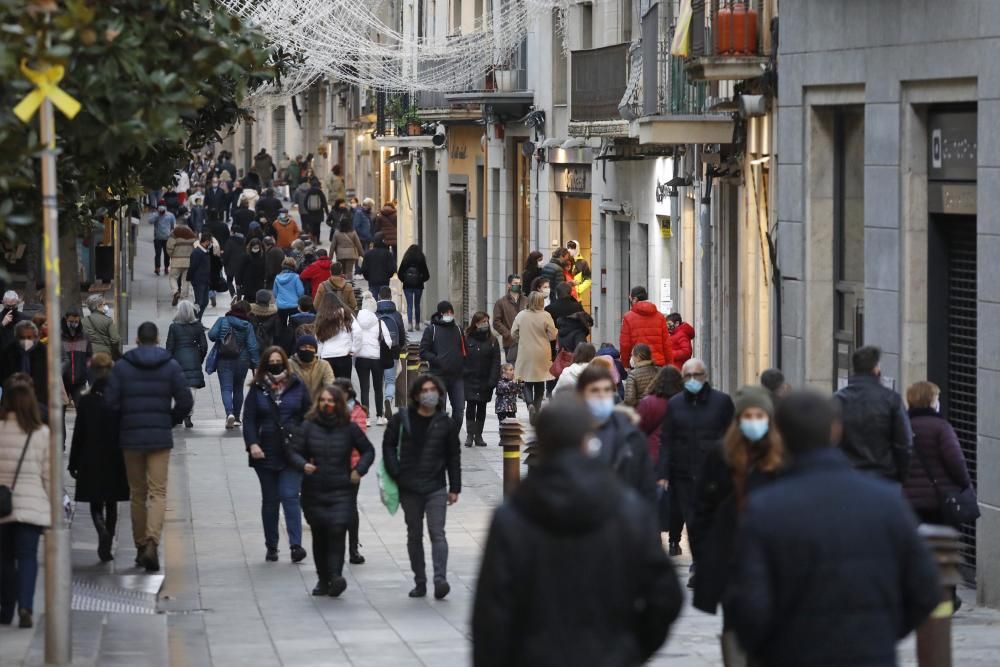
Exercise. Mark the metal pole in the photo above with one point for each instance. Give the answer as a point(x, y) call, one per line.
point(58, 575)
point(706, 270)
point(934, 636)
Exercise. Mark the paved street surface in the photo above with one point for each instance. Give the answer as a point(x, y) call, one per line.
point(219, 603)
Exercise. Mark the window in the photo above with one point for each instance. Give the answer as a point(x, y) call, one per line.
point(587, 26)
point(558, 59)
point(627, 20)
point(456, 17)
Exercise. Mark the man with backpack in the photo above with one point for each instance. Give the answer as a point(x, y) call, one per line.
point(393, 320)
point(315, 209)
point(442, 346)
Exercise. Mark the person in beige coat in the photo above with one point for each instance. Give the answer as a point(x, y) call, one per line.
point(180, 244)
point(24, 439)
point(346, 246)
point(534, 332)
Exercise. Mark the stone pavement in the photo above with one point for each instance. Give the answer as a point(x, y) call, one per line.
point(219, 602)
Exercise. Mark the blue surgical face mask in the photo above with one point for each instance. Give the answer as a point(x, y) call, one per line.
point(350, 404)
point(694, 386)
point(754, 429)
point(601, 407)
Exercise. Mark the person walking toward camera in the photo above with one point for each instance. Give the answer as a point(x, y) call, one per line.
point(482, 372)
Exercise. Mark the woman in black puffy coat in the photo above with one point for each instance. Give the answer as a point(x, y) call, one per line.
point(481, 373)
point(187, 343)
point(323, 452)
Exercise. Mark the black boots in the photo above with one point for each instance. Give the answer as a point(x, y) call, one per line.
point(298, 553)
point(441, 589)
point(272, 555)
point(419, 591)
point(150, 559)
point(474, 433)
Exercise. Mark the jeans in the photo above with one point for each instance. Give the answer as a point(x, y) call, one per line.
point(475, 415)
point(18, 567)
point(280, 488)
point(232, 376)
point(533, 393)
point(389, 382)
point(341, 366)
point(415, 507)
point(413, 304)
point(456, 397)
point(370, 369)
point(328, 551)
point(160, 248)
point(201, 299)
point(146, 470)
point(375, 288)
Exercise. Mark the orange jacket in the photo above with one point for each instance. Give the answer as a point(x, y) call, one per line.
point(645, 324)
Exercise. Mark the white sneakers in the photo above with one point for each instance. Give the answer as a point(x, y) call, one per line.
point(230, 422)
point(381, 421)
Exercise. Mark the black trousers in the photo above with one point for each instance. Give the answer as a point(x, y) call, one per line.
point(369, 370)
point(534, 392)
point(475, 417)
point(352, 529)
point(682, 497)
point(341, 366)
point(328, 550)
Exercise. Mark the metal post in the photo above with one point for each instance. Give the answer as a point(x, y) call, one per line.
point(58, 575)
point(510, 439)
point(706, 269)
point(934, 636)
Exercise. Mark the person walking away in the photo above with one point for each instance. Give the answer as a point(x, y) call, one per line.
point(200, 272)
point(880, 581)
point(76, 353)
point(338, 336)
point(315, 209)
point(652, 411)
point(681, 339)
point(265, 320)
point(644, 324)
point(163, 223)
point(272, 417)
point(584, 354)
point(24, 470)
point(442, 346)
point(876, 431)
point(345, 243)
point(363, 222)
point(368, 359)
point(420, 447)
point(264, 166)
point(532, 269)
point(359, 417)
point(533, 331)
point(773, 380)
point(697, 420)
point(242, 217)
point(571, 504)
point(336, 188)
point(287, 290)
point(752, 455)
point(317, 272)
point(573, 330)
point(508, 391)
point(938, 469)
point(378, 266)
point(481, 374)
point(339, 286)
point(95, 458)
point(392, 320)
point(385, 224)
point(180, 245)
point(563, 305)
point(329, 500)
point(234, 258)
point(505, 310)
point(304, 315)
point(414, 275)
point(293, 172)
point(274, 257)
point(237, 351)
point(642, 375)
point(187, 344)
point(150, 394)
point(100, 328)
point(622, 446)
point(253, 273)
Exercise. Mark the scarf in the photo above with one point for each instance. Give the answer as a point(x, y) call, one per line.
point(278, 382)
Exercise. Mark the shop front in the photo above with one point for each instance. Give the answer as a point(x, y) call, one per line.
point(571, 182)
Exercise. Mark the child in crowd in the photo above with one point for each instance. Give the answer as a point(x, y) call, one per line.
point(508, 389)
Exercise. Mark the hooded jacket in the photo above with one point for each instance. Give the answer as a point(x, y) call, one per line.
point(420, 467)
point(316, 273)
point(245, 336)
point(573, 330)
point(443, 347)
point(287, 289)
point(385, 224)
point(414, 273)
point(103, 334)
point(681, 341)
point(340, 286)
point(386, 310)
point(638, 382)
point(554, 272)
point(378, 265)
point(567, 521)
point(645, 324)
point(266, 324)
point(149, 392)
point(370, 328)
point(180, 245)
point(624, 450)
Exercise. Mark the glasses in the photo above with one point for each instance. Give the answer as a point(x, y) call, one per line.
point(694, 376)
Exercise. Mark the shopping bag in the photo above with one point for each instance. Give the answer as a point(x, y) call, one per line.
point(387, 488)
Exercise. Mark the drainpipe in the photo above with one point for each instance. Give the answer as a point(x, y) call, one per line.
point(706, 268)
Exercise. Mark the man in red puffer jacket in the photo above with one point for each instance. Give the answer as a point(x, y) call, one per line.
point(681, 337)
point(317, 272)
point(645, 324)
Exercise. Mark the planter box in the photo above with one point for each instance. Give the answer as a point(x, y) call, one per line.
point(506, 80)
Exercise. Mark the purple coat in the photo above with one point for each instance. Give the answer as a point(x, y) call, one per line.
point(936, 443)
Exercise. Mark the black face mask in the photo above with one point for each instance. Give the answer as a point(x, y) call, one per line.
point(307, 355)
point(275, 369)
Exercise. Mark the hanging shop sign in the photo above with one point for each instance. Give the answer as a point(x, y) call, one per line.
point(571, 179)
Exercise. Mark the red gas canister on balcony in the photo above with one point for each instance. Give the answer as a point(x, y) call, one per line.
point(744, 22)
point(724, 30)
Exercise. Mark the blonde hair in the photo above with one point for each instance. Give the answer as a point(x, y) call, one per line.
point(922, 394)
point(536, 301)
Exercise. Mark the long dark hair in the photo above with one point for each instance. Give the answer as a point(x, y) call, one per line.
point(331, 317)
point(667, 382)
point(19, 400)
point(340, 414)
point(261, 374)
point(419, 382)
point(531, 263)
point(477, 317)
point(413, 255)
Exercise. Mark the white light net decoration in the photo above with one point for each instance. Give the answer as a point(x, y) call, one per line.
point(395, 45)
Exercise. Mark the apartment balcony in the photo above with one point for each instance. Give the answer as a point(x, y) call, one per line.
point(600, 82)
point(728, 42)
point(399, 123)
point(504, 88)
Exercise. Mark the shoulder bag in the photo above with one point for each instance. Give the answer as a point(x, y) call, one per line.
point(958, 507)
point(7, 493)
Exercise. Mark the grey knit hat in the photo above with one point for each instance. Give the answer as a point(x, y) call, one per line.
point(753, 396)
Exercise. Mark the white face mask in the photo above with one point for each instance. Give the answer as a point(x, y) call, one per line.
point(936, 405)
point(447, 319)
point(27, 343)
point(106, 309)
point(546, 291)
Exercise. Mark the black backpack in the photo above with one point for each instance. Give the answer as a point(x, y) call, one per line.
point(314, 202)
point(412, 275)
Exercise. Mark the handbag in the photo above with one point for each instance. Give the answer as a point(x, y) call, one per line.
point(229, 346)
point(958, 507)
point(7, 493)
point(388, 489)
point(562, 361)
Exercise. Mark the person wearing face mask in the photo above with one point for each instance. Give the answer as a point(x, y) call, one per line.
point(324, 453)
point(101, 329)
point(253, 273)
point(420, 448)
point(697, 420)
point(505, 310)
point(27, 355)
point(617, 443)
point(443, 347)
point(314, 372)
point(200, 272)
point(482, 372)
point(534, 332)
point(272, 417)
point(532, 268)
point(641, 375)
point(76, 353)
point(9, 317)
point(877, 437)
point(751, 455)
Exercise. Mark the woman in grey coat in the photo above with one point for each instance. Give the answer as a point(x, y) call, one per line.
point(187, 343)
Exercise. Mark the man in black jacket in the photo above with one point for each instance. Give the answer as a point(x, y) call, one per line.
point(242, 217)
point(443, 348)
point(9, 317)
point(567, 521)
point(419, 447)
point(876, 429)
point(150, 393)
point(200, 272)
point(830, 570)
point(216, 201)
point(269, 206)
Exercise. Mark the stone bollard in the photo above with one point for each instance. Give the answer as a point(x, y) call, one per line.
point(934, 636)
point(511, 432)
point(409, 367)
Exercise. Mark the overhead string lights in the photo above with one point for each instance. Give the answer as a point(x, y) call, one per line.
point(395, 45)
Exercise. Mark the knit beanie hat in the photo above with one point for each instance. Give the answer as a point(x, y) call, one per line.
point(263, 297)
point(445, 307)
point(753, 396)
point(305, 340)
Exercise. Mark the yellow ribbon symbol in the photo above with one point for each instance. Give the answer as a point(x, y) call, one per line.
point(46, 86)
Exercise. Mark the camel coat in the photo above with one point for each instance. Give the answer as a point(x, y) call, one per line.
point(534, 331)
